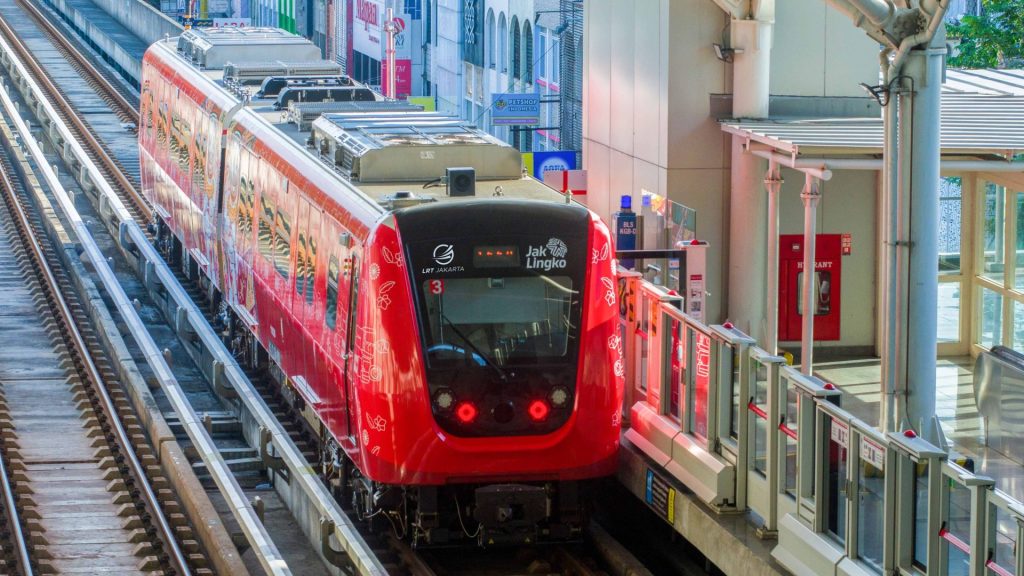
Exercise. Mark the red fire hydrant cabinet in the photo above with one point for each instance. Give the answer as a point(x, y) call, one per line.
point(827, 284)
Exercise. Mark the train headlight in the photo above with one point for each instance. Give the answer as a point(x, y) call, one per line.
point(444, 399)
point(559, 396)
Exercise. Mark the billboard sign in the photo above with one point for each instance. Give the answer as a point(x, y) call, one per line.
point(559, 160)
point(515, 109)
point(367, 36)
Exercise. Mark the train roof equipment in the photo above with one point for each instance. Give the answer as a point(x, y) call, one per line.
point(272, 85)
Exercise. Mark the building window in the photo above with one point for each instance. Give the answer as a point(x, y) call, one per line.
point(502, 43)
point(542, 43)
point(527, 53)
point(490, 38)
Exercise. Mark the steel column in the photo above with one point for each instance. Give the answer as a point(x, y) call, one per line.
point(773, 184)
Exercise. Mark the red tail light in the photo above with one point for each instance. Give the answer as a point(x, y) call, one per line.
point(538, 410)
point(466, 412)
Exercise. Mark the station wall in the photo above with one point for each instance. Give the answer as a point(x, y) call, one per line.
point(817, 51)
point(649, 124)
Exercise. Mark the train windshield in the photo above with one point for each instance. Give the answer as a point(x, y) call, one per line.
point(499, 320)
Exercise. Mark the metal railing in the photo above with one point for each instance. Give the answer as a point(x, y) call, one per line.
point(745, 432)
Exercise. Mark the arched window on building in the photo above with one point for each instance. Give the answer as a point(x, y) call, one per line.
point(516, 49)
point(527, 52)
point(490, 38)
point(502, 44)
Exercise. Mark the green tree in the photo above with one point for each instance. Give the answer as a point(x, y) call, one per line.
point(995, 39)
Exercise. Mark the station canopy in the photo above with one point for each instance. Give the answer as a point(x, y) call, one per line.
point(982, 117)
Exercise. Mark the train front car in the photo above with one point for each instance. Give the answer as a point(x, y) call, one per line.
point(488, 369)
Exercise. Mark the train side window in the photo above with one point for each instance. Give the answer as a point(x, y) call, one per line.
point(300, 265)
point(310, 269)
point(283, 240)
point(331, 311)
point(267, 229)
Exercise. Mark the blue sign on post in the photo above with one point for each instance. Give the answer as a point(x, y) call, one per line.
point(554, 160)
point(515, 109)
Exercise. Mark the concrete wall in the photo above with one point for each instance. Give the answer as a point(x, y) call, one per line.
point(648, 81)
point(818, 52)
point(849, 205)
point(140, 18)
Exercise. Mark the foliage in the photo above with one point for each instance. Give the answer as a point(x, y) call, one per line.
point(995, 39)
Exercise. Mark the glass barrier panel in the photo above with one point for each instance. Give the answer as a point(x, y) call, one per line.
point(677, 377)
point(957, 530)
point(871, 502)
point(835, 489)
point(1002, 561)
point(758, 408)
point(734, 393)
point(788, 427)
point(919, 546)
point(645, 324)
point(701, 382)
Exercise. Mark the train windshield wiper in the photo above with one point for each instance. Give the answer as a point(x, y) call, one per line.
point(487, 360)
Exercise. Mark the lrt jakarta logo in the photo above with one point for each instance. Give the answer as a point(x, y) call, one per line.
point(444, 254)
point(548, 256)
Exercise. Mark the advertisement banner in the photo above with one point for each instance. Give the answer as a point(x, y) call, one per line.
point(367, 36)
point(554, 160)
point(403, 77)
point(515, 109)
point(403, 39)
point(429, 103)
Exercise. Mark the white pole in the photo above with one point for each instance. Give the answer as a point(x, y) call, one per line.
point(389, 53)
point(773, 184)
point(810, 196)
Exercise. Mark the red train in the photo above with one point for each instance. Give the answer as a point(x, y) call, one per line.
point(447, 343)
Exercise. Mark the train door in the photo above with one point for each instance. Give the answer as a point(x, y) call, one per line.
point(334, 350)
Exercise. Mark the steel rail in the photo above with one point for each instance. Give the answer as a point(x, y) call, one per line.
point(177, 557)
point(10, 503)
point(68, 114)
point(256, 533)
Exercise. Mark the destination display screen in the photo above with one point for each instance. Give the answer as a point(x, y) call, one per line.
point(496, 256)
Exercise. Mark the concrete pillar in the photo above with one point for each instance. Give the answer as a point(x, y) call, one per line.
point(748, 211)
point(748, 216)
point(920, 293)
point(810, 196)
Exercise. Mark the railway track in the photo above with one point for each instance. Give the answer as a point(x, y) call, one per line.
point(78, 464)
point(124, 183)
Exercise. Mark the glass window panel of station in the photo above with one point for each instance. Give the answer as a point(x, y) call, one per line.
point(950, 211)
point(1018, 245)
point(949, 312)
point(1018, 326)
point(677, 373)
point(991, 333)
point(993, 213)
point(701, 383)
